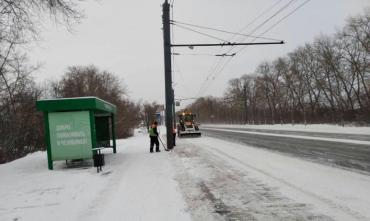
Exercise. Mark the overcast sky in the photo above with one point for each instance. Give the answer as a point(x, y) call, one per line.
point(125, 38)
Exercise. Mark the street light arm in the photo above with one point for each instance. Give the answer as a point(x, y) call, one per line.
point(226, 44)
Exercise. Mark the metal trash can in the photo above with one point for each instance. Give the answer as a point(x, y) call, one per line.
point(98, 161)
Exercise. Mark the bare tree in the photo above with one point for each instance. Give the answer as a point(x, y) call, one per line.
point(21, 128)
point(81, 81)
point(148, 111)
point(19, 134)
point(324, 81)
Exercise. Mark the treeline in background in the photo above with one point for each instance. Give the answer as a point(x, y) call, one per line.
point(326, 81)
point(21, 125)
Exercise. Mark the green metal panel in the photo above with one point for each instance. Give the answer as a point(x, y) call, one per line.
point(93, 130)
point(102, 131)
point(70, 135)
point(47, 139)
point(74, 104)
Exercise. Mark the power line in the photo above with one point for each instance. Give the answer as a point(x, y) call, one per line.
point(173, 53)
point(198, 33)
point(264, 22)
point(258, 27)
point(279, 21)
point(274, 15)
point(210, 72)
point(193, 54)
point(254, 30)
point(289, 14)
point(223, 31)
point(218, 73)
point(182, 84)
point(255, 19)
point(267, 20)
point(260, 15)
point(178, 70)
point(172, 35)
point(201, 33)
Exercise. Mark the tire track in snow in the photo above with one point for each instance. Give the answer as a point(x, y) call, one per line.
point(210, 184)
point(351, 157)
point(327, 201)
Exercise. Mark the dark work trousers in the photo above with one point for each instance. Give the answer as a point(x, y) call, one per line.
point(174, 139)
point(154, 140)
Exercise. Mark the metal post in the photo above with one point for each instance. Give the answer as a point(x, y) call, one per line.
point(47, 139)
point(168, 74)
point(93, 131)
point(114, 133)
point(174, 109)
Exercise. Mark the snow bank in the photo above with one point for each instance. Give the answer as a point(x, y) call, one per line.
point(350, 141)
point(324, 128)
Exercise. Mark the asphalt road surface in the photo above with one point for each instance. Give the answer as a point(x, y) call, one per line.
point(343, 154)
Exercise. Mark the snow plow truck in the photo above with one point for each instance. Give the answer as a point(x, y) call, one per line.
point(187, 126)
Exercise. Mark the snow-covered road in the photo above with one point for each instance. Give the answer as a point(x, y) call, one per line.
point(201, 179)
point(237, 182)
point(349, 151)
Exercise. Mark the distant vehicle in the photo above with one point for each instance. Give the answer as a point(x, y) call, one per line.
point(187, 126)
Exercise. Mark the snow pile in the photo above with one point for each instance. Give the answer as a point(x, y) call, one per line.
point(350, 141)
point(134, 185)
point(323, 128)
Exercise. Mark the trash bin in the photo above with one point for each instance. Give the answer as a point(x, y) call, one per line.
point(98, 160)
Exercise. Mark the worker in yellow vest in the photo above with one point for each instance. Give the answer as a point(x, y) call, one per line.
point(153, 134)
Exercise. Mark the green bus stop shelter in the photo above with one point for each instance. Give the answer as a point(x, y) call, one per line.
point(76, 126)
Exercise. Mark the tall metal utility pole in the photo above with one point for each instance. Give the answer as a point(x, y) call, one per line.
point(168, 73)
point(170, 113)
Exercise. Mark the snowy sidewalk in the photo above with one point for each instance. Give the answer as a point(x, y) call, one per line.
point(134, 185)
